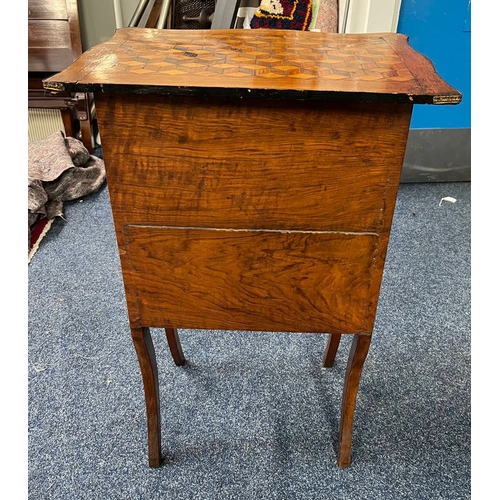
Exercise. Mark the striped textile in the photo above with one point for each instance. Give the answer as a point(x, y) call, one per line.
point(325, 14)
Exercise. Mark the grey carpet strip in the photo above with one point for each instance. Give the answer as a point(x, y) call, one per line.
point(253, 415)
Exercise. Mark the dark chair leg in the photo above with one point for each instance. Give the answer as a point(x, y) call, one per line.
point(175, 346)
point(357, 356)
point(147, 361)
point(84, 113)
point(331, 350)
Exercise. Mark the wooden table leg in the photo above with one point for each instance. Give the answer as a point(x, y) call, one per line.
point(175, 346)
point(331, 350)
point(147, 361)
point(357, 356)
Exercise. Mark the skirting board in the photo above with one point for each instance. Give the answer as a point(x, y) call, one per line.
point(437, 155)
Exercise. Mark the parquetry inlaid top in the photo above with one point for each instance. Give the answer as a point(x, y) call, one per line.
point(270, 63)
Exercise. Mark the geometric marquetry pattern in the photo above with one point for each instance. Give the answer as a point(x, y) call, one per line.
point(263, 55)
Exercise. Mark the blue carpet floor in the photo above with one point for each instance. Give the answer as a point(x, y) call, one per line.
point(253, 415)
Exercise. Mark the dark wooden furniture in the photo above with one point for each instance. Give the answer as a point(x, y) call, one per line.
point(54, 43)
point(253, 176)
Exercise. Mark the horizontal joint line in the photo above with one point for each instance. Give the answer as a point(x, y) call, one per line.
point(281, 231)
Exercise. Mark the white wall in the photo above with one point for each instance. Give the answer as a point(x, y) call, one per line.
point(373, 16)
point(97, 21)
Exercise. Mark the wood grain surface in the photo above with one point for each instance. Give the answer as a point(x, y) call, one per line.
point(284, 64)
point(250, 280)
point(233, 164)
point(54, 38)
point(41, 9)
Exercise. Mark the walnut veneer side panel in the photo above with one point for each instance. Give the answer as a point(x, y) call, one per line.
point(252, 164)
point(250, 280)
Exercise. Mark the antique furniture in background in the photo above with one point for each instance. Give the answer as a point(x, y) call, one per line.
point(54, 42)
point(253, 176)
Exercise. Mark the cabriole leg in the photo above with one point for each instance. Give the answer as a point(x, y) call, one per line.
point(175, 346)
point(357, 356)
point(147, 361)
point(331, 350)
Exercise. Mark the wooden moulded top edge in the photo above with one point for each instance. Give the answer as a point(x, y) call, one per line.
point(268, 63)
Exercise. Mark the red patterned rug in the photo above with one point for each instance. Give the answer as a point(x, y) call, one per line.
point(324, 14)
point(283, 14)
point(39, 230)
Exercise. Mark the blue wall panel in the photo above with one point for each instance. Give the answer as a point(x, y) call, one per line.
point(441, 30)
